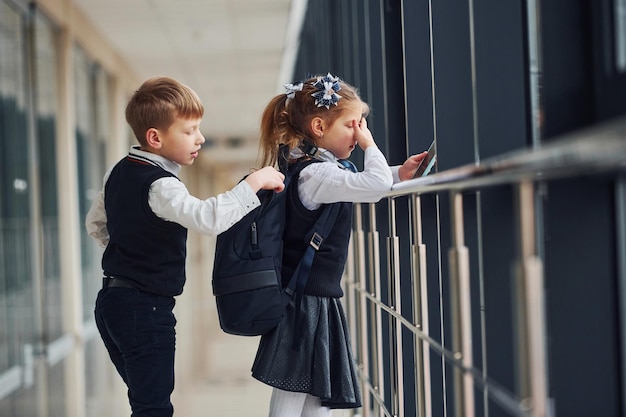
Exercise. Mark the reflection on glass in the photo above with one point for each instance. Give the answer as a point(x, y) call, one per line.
point(620, 35)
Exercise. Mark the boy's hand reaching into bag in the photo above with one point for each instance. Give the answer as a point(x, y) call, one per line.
point(267, 178)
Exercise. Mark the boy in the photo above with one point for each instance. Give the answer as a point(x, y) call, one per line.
point(141, 217)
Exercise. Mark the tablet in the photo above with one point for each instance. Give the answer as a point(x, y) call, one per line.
point(427, 163)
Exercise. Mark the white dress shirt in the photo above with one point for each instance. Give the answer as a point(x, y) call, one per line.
point(170, 200)
point(326, 182)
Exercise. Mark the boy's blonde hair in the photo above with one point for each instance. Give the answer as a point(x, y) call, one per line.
point(158, 102)
point(286, 121)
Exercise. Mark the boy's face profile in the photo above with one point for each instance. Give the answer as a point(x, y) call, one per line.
point(180, 142)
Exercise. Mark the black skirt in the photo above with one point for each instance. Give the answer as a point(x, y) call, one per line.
point(320, 363)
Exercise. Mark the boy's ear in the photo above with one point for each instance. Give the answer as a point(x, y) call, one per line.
point(152, 138)
point(317, 127)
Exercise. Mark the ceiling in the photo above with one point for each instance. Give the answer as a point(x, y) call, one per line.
point(233, 53)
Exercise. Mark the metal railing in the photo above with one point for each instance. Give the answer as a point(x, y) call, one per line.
point(595, 151)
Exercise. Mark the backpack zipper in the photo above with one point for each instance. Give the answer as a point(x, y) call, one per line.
point(253, 235)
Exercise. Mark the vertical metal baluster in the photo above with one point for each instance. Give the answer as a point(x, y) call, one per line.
point(395, 326)
point(351, 299)
point(482, 301)
point(376, 327)
point(532, 375)
point(361, 300)
point(461, 310)
point(620, 222)
point(420, 313)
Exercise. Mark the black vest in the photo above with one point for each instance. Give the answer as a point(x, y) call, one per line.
point(330, 259)
point(143, 249)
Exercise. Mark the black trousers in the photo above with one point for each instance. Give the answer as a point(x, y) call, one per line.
point(138, 331)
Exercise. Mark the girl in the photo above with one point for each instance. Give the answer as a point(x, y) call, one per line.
point(320, 119)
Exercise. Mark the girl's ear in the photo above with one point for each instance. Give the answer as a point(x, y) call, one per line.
point(317, 127)
point(152, 138)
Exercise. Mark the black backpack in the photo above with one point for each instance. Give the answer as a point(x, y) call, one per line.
point(248, 259)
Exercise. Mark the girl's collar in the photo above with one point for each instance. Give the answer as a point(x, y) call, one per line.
point(320, 154)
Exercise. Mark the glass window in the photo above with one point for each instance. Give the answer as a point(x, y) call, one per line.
point(92, 130)
point(19, 324)
point(16, 301)
point(91, 107)
point(46, 104)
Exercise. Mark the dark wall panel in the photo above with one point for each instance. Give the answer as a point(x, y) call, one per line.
point(384, 49)
point(582, 298)
point(567, 61)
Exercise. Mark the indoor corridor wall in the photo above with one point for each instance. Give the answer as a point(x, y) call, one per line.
point(62, 95)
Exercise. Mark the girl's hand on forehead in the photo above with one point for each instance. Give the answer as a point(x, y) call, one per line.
point(362, 134)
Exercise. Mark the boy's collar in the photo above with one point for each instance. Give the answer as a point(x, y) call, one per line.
point(168, 165)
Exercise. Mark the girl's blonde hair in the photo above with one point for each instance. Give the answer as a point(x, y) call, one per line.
point(286, 121)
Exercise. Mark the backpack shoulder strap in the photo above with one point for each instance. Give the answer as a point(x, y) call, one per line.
point(318, 232)
point(297, 283)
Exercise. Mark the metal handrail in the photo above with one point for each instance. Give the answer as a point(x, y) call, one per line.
point(499, 394)
point(598, 150)
point(588, 151)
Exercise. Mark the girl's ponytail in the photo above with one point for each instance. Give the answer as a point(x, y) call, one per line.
point(272, 129)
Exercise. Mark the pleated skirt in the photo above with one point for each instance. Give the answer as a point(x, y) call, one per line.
point(320, 363)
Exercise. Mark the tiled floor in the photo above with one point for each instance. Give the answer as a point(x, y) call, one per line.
point(228, 391)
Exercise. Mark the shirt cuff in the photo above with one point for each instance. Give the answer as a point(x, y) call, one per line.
point(246, 197)
point(394, 173)
point(372, 151)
